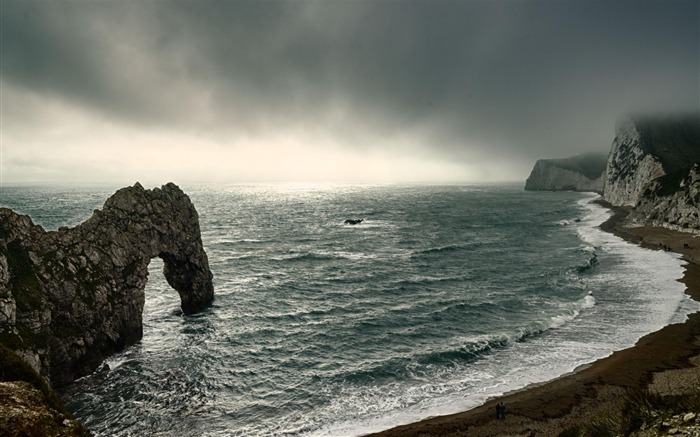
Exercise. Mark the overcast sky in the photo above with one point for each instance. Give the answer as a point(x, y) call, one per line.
point(336, 90)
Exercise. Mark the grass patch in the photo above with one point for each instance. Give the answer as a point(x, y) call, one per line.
point(591, 165)
point(24, 283)
point(14, 368)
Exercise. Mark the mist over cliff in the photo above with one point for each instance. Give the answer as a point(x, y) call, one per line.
point(578, 173)
point(653, 167)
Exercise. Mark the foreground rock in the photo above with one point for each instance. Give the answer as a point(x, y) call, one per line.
point(28, 406)
point(24, 412)
point(72, 297)
point(578, 173)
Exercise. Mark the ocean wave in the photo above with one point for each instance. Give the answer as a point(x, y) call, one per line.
point(470, 350)
point(448, 309)
point(572, 312)
point(307, 256)
point(439, 250)
point(307, 315)
point(589, 265)
point(237, 242)
point(321, 256)
point(429, 280)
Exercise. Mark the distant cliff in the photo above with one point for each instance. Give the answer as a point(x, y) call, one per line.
point(653, 166)
point(646, 148)
point(578, 173)
point(72, 297)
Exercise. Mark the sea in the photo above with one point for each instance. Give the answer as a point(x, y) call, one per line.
point(442, 298)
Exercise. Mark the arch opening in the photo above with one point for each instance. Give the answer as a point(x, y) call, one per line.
point(159, 295)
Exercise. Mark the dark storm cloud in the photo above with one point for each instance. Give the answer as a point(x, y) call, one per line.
point(530, 78)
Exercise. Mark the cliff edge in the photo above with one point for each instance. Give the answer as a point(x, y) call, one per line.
point(646, 148)
point(577, 173)
point(654, 166)
point(71, 298)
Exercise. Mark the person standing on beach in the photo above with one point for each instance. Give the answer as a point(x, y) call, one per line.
point(501, 411)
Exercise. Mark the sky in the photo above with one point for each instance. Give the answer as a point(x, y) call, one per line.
point(380, 91)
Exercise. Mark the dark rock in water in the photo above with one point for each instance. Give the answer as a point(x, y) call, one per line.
point(353, 221)
point(72, 297)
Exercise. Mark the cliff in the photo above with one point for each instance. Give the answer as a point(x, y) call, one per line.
point(653, 166)
point(578, 173)
point(671, 201)
point(646, 148)
point(72, 297)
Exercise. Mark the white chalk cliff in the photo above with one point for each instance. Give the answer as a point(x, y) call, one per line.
point(672, 201)
point(578, 173)
point(629, 167)
point(646, 148)
point(653, 166)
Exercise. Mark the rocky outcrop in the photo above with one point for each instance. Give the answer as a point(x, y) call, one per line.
point(646, 148)
point(28, 406)
point(72, 297)
point(578, 173)
point(24, 412)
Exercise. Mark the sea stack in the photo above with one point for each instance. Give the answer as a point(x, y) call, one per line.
point(72, 297)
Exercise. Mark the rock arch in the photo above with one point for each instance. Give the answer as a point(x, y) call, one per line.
point(72, 297)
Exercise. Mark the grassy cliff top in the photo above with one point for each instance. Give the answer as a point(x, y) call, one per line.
point(591, 165)
point(674, 140)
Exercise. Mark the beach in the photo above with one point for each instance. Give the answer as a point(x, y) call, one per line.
point(661, 361)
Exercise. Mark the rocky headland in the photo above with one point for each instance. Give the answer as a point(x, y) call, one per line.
point(71, 298)
point(578, 173)
point(653, 168)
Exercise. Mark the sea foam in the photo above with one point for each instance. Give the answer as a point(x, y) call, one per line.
point(634, 291)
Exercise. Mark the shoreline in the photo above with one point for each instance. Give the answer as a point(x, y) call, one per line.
point(661, 359)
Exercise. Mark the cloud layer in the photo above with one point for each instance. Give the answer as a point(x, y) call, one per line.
point(367, 90)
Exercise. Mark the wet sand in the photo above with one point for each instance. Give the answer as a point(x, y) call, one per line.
point(662, 361)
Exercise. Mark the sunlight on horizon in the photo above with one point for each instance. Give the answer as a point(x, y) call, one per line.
point(88, 147)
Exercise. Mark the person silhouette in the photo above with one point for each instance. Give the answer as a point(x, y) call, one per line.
point(501, 411)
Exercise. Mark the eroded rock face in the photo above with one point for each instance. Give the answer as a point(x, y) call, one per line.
point(630, 166)
point(72, 297)
point(646, 148)
point(672, 201)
